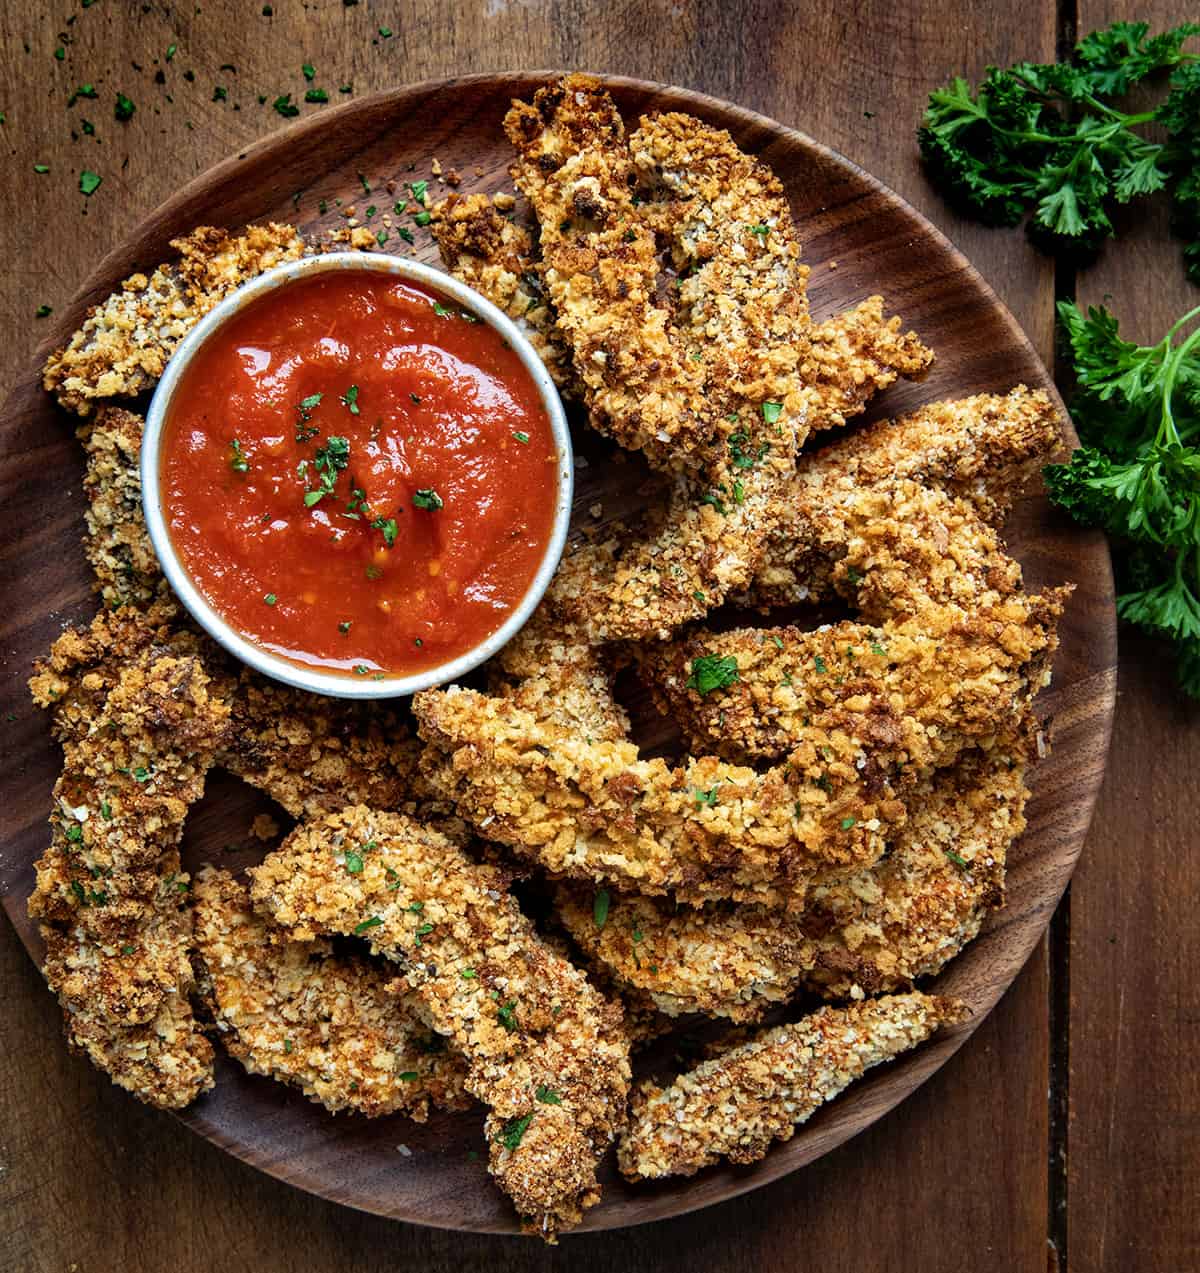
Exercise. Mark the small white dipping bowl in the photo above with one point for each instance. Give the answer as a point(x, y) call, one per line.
point(281, 669)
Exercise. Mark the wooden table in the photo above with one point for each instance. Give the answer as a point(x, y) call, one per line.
point(1067, 1132)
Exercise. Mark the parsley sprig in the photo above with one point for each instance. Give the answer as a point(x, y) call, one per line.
point(1047, 141)
point(1137, 475)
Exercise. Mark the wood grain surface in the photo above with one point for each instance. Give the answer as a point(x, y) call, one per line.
point(957, 1177)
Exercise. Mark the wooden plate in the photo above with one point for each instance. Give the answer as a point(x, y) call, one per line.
point(859, 238)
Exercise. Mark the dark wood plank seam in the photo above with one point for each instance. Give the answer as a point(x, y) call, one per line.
point(1059, 933)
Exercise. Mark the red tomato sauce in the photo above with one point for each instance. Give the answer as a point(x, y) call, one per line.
point(358, 477)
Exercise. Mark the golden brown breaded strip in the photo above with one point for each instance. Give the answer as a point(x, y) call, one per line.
point(854, 356)
point(903, 918)
point(917, 690)
point(482, 246)
point(546, 1052)
point(592, 808)
point(117, 545)
point(314, 754)
point(124, 344)
point(919, 496)
point(109, 892)
point(601, 270)
point(735, 1105)
point(323, 1022)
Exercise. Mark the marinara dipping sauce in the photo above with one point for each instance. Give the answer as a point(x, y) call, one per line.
point(359, 475)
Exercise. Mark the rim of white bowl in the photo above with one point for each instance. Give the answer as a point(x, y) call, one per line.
point(263, 660)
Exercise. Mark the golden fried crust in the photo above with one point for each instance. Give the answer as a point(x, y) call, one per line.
point(124, 344)
point(900, 919)
point(916, 499)
point(546, 1052)
point(916, 690)
point(592, 808)
point(601, 270)
point(483, 247)
point(325, 1023)
point(117, 545)
point(854, 356)
point(735, 1105)
point(109, 892)
point(314, 754)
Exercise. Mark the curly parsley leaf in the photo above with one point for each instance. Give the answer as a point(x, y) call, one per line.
point(1137, 476)
point(1044, 142)
point(712, 672)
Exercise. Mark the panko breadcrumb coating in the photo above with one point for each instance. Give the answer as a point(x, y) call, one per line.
point(899, 495)
point(601, 267)
point(735, 1105)
point(117, 544)
point(916, 690)
point(900, 919)
point(546, 1052)
point(485, 249)
point(138, 739)
point(592, 808)
point(124, 344)
point(326, 1023)
point(854, 356)
point(315, 754)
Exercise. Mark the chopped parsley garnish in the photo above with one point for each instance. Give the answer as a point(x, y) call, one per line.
point(331, 459)
point(344, 627)
point(548, 1096)
point(366, 185)
point(361, 669)
point(468, 974)
point(706, 797)
point(43, 311)
point(522, 437)
point(600, 907)
point(237, 458)
point(270, 598)
point(418, 189)
point(712, 672)
point(423, 218)
point(304, 430)
point(712, 498)
point(124, 108)
point(405, 233)
point(820, 665)
point(876, 648)
point(288, 1047)
point(847, 823)
point(427, 498)
point(440, 310)
point(84, 90)
point(389, 528)
point(762, 230)
point(350, 399)
point(318, 95)
point(41, 168)
point(409, 1076)
point(386, 32)
point(354, 863)
point(513, 1131)
point(106, 810)
point(506, 1013)
point(89, 182)
point(309, 71)
point(955, 858)
point(285, 106)
point(171, 51)
point(367, 924)
point(771, 411)
point(220, 94)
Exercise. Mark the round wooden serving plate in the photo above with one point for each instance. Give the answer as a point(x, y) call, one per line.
point(859, 238)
